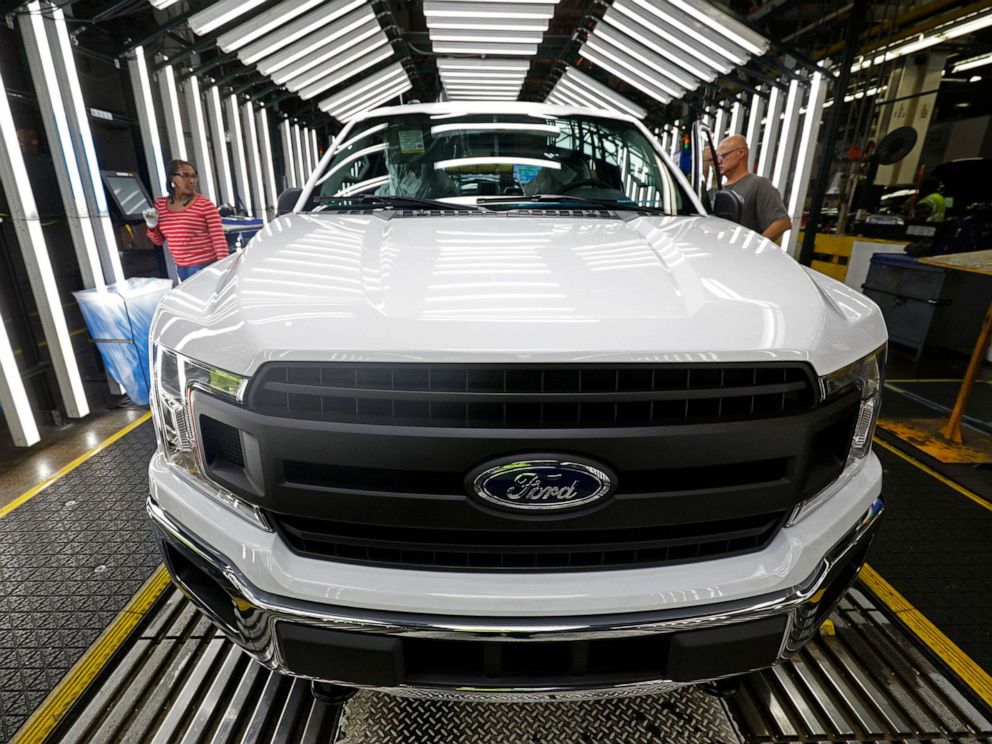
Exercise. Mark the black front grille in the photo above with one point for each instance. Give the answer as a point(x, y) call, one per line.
point(531, 396)
point(525, 549)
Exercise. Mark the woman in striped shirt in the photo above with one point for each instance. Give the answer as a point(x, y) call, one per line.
point(187, 222)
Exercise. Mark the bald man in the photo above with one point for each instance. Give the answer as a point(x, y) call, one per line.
point(763, 211)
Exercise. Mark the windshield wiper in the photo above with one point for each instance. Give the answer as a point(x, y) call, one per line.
point(570, 199)
point(391, 200)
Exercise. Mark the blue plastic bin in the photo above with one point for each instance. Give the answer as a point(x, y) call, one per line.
point(119, 319)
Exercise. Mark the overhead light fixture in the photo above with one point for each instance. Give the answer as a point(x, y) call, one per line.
point(637, 52)
point(264, 23)
point(483, 64)
point(332, 57)
point(690, 27)
point(972, 62)
point(483, 76)
point(668, 51)
point(162, 4)
point(387, 76)
point(443, 8)
point(975, 79)
point(485, 35)
point(452, 47)
point(654, 90)
point(220, 14)
point(728, 27)
point(280, 47)
point(675, 43)
point(493, 24)
point(577, 84)
point(951, 30)
point(381, 97)
point(362, 61)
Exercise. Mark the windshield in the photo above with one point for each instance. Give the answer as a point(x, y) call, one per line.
point(500, 160)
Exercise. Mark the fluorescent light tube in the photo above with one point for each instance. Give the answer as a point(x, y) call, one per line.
point(655, 90)
point(320, 72)
point(370, 38)
point(361, 62)
point(452, 47)
point(435, 8)
point(487, 35)
point(378, 100)
point(668, 51)
point(636, 51)
point(264, 23)
point(343, 14)
point(220, 14)
point(387, 75)
point(725, 25)
point(483, 64)
point(496, 25)
point(972, 62)
point(695, 30)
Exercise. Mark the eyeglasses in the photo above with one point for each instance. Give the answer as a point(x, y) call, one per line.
point(187, 175)
point(725, 155)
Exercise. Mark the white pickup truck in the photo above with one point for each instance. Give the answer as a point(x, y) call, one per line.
point(496, 410)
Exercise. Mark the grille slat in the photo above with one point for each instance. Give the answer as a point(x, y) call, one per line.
point(525, 550)
point(531, 396)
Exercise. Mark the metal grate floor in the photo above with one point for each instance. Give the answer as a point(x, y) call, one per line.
point(181, 682)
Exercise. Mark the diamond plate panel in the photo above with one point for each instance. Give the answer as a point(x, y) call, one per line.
point(684, 716)
point(70, 559)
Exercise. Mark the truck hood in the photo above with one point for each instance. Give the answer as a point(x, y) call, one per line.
point(505, 286)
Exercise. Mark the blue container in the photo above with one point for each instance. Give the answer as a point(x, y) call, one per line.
point(119, 319)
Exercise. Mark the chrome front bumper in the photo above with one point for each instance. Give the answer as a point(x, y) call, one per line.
point(250, 616)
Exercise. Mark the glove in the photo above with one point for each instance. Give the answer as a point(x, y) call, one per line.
point(151, 217)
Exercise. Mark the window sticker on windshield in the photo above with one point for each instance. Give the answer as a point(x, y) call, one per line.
point(411, 141)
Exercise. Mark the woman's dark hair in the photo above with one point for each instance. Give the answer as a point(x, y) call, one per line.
point(173, 167)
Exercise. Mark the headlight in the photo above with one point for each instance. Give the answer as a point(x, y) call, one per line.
point(175, 377)
point(865, 375)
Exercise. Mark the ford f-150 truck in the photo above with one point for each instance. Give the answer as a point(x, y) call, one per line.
point(497, 410)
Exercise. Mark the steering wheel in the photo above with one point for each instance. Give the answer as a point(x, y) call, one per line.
point(583, 182)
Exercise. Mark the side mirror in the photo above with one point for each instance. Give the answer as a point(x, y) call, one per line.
point(287, 200)
point(728, 205)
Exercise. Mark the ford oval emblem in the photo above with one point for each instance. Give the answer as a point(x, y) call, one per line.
point(542, 485)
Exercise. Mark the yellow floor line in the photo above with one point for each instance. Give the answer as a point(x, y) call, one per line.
point(51, 711)
point(962, 664)
point(28, 495)
point(930, 471)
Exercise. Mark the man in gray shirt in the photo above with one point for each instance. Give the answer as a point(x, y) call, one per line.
point(763, 210)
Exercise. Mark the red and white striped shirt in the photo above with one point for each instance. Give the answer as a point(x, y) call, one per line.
point(195, 235)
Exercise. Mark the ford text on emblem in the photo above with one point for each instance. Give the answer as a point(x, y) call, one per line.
point(540, 485)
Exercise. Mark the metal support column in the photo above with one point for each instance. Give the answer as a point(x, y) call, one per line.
point(268, 168)
point(238, 153)
point(147, 121)
point(787, 138)
point(254, 160)
point(288, 156)
point(171, 111)
point(769, 132)
point(856, 23)
point(219, 139)
point(198, 129)
point(79, 124)
point(803, 168)
point(61, 145)
point(27, 226)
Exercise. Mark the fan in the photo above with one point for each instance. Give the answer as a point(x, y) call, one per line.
point(893, 147)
